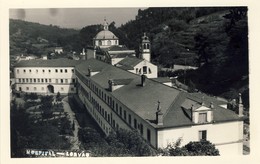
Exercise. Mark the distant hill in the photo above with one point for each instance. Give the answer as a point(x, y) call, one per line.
point(32, 38)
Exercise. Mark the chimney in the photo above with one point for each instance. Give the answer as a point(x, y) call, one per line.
point(89, 71)
point(111, 85)
point(143, 77)
point(240, 106)
point(202, 101)
point(193, 113)
point(211, 105)
point(159, 115)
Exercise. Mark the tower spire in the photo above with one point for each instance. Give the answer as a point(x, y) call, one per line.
point(105, 24)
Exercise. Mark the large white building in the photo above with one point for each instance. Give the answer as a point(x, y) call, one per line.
point(46, 76)
point(116, 98)
point(107, 49)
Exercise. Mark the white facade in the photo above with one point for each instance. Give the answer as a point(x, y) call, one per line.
point(146, 68)
point(229, 144)
point(45, 79)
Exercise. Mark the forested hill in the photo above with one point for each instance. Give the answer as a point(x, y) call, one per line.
point(32, 38)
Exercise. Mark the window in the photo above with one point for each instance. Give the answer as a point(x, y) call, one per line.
point(61, 80)
point(34, 80)
point(124, 114)
point(129, 119)
point(150, 71)
point(203, 135)
point(144, 69)
point(202, 117)
point(66, 80)
point(49, 71)
point(109, 43)
point(56, 70)
point(113, 124)
point(120, 111)
point(30, 80)
point(27, 88)
point(24, 70)
point(135, 123)
point(43, 70)
point(72, 70)
point(19, 80)
point(116, 108)
point(27, 80)
point(42, 80)
point(149, 135)
point(30, 70)
point(60, 70)
point(17, 70)
point(100, 43)
point(141, 129)
point(49, 80)
point(46, 80)
point(23, 80)
point(57, 80)
point(66, 70)
point(73, 80)
point(108, 118)
point(39, 80)
point(36, 70)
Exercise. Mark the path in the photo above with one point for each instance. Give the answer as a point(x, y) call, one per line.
point(74, 140)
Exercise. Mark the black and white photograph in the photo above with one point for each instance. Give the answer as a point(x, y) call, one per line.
point(157, 82)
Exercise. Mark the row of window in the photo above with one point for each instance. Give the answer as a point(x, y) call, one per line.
point(44, 70)
point(45, 80)
point(41, 89)
point(132, 122)
point(145, 69)
point(109, 43)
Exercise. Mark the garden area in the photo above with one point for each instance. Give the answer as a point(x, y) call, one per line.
point(39, 122)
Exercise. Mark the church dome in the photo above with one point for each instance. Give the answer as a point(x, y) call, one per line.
point(106, 34)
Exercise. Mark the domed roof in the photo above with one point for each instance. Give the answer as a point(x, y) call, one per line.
point(105, 34)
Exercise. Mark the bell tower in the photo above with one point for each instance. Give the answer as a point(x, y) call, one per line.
point(145, 48)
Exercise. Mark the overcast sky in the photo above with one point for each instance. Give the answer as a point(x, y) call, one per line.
point(75, 17)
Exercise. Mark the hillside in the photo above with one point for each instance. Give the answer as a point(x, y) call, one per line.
point(35, 38)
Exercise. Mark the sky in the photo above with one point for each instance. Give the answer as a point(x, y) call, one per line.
point(75, 17)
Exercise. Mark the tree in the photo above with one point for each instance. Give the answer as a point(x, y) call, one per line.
point(58, 96)
point(197, 148)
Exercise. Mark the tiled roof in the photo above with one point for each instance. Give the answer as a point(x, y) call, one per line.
point(129, 63)
point(143, 100)
point(48, 63)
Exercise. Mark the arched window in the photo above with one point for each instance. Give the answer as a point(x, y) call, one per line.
point(148, 46)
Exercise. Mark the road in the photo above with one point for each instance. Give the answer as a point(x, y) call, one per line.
point(74, 140)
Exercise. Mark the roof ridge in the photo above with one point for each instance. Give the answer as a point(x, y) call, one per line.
point(173, 103)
